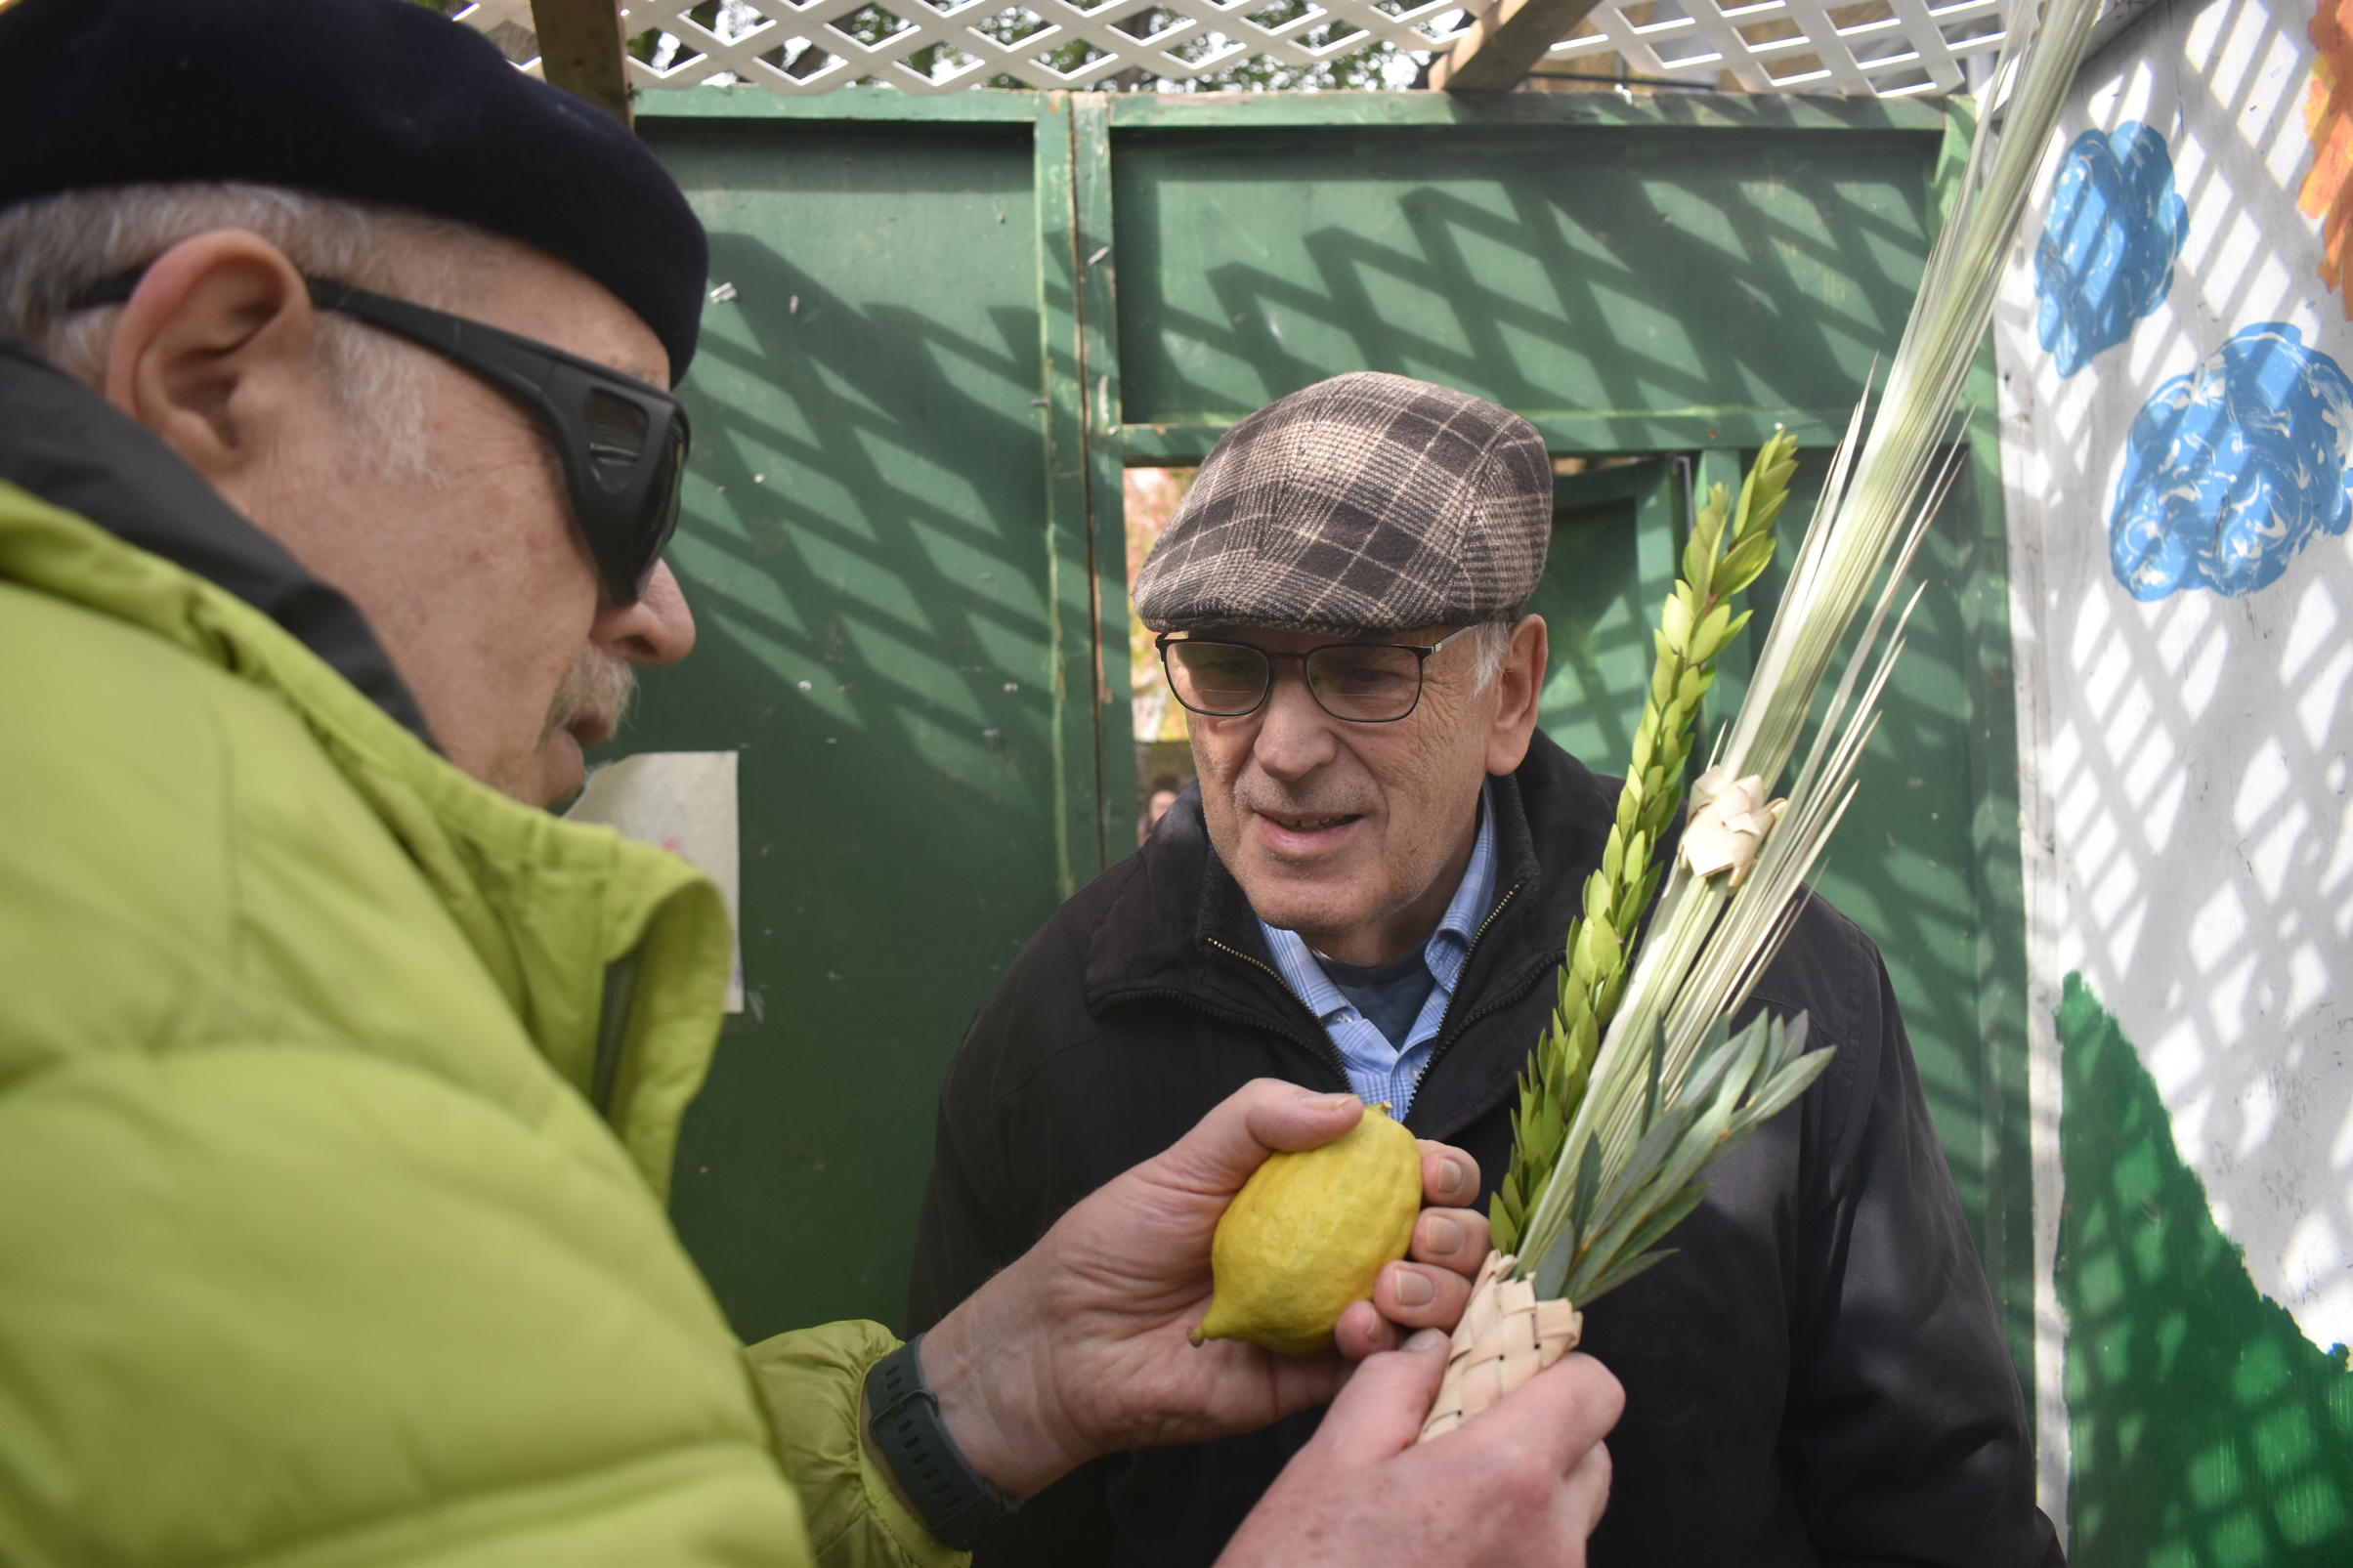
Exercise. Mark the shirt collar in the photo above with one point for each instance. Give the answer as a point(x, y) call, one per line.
point(1450, 943)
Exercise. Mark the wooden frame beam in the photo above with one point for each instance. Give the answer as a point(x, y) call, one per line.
point(580, 52)
point(1505, 43)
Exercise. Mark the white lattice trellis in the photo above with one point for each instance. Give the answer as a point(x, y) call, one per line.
point(1890, 48)
point(1896, 48)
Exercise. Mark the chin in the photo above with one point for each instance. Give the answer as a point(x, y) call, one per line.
point(555, 772)
point(1308, 903)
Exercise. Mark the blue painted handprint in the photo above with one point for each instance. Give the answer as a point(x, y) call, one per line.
point(2106, 257)
point(2232, 471)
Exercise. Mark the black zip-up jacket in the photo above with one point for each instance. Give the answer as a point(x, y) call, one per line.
point(1818, 1376)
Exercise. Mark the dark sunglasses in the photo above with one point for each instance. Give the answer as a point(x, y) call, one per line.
point(623, 443)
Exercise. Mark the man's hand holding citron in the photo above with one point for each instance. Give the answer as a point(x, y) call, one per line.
point(1310, 1233)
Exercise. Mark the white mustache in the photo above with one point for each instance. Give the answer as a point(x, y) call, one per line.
point(597, 683)
point(1275, 803)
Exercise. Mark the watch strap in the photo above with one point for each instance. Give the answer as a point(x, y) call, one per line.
point(958, 1504)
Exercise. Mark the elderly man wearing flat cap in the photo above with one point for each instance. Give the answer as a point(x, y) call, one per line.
point(338, 1082)
point(1371, 891)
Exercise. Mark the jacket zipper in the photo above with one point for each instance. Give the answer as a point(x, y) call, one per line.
point(1437, 1052)
point(1332, 1058)
point(1500, 1001)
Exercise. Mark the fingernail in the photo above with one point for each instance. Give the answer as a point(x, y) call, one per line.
point(1327, 1102)
point(1414, 1288)
point(1442, 1235)
point(1428, 1340)
point(1450, 1171)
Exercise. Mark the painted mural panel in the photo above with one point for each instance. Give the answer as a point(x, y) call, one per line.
point(2175, 351)
point(2207, 1428)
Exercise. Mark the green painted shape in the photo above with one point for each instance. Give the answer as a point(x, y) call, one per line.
point(2208, 1431)
point(1627, 287)
point(866, 512)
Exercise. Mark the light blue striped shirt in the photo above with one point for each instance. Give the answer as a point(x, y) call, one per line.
point(1377, 1069)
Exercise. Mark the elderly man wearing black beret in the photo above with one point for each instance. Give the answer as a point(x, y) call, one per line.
point(338, 1082)
point(1371, 891)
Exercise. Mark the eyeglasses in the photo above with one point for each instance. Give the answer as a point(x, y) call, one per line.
point(622, 443)
point(1363, 683)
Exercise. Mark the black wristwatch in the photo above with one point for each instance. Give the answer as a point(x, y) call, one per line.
point(958, 1505)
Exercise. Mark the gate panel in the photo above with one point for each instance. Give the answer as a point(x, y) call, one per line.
point(1611, 562)
point(1629, 279)
point(867, 553)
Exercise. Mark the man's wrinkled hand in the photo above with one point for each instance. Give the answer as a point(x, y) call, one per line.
point(1081, 1347)
point(1520, 1485)
point(1432, 1286)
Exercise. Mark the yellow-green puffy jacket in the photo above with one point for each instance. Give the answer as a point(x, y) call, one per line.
point(313, 1249)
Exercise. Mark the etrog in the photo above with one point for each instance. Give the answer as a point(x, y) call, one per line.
point(1309, 1232)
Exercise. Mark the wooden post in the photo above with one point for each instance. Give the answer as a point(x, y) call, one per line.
point(1505, 43)
point(580, 52)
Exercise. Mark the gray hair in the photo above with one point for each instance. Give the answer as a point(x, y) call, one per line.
point(52, 248)
point(1489, 646)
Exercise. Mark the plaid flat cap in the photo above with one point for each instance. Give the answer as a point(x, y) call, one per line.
point(1368, 502)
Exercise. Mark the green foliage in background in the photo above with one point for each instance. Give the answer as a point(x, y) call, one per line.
point(1372, 69)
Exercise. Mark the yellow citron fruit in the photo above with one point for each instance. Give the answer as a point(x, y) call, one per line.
point(1309, 1232)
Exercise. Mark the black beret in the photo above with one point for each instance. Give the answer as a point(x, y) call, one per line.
point(1365, 503)
point(379, 101)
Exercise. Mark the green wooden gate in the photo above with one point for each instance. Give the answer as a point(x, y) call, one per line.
point(950, 322)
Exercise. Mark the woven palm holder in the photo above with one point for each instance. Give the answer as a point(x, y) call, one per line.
point(1506, 1336)
point(1729, 818)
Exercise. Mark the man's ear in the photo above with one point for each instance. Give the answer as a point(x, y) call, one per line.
point(1518, 685)
point(213, 352)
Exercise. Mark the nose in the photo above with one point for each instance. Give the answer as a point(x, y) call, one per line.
point(654, 629)
point(1295, 734)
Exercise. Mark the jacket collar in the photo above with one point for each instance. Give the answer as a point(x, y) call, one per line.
point(66, 445)
point(550, 908)
point(1180, 926)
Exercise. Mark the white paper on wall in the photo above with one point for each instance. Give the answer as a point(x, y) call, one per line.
point(684, 802)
